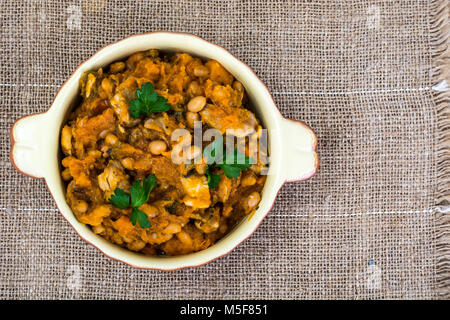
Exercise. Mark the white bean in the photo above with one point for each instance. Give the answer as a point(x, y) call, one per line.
point(157, 147)
point(196, 104)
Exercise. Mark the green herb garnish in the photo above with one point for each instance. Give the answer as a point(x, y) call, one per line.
point(139, 195)
point(228, 164)
point(141, 216)
point(147, 101)
point(213, 179)
point(213, 152)
point(232, 168)
point(140, 192)
point(120, 199)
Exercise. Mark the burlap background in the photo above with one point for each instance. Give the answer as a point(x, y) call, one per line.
point(366, 75)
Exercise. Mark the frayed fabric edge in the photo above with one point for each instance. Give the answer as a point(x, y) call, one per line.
point(440, 44)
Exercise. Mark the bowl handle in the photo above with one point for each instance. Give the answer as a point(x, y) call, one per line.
point(28, 145)
point(299, 157)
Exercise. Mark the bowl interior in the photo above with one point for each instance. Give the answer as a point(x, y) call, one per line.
point(262, 104)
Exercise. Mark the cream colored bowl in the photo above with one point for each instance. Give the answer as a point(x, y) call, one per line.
point(292, 144)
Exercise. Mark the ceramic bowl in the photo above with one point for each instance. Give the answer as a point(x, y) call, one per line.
point(35, 147)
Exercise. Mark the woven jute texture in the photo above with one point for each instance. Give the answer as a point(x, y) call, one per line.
point(370, 77)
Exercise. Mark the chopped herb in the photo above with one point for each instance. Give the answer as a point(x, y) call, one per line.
point(213, 152)
point(190, 172)
point(229, 164)
point(120, 199)
point(147, 101)
point(141, 217)
point(139, 195)
point(232, 168)
point(213, 179)
point(172, 208)
point(140, 192)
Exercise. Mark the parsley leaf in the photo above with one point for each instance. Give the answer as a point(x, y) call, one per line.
point(214, 151)
point(120, 199)
point(147, 101)
point(230, 171)
point(140, 192)
point(139, 195)
point(232, 168)
point(229, 164)
point(141, 217)
point(213, 179)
